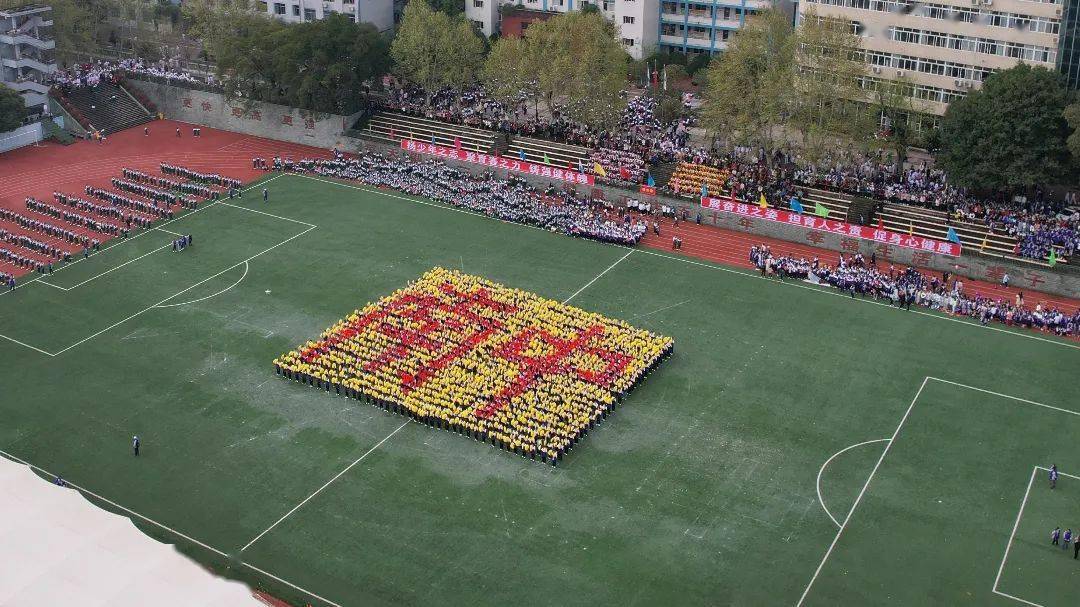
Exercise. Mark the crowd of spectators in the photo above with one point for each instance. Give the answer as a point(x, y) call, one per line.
point(857, 276)
point(93, 73)
point(510, 200)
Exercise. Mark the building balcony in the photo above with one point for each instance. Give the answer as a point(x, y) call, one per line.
point(30, 62)
point(28, 86)
point(28, 40)
point(672, 39)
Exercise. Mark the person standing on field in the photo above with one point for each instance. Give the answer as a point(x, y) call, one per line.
point(135, 445)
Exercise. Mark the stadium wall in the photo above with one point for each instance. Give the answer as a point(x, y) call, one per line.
point(1063, 281)
point(259, 119)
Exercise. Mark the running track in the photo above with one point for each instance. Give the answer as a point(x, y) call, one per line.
point(41, 170)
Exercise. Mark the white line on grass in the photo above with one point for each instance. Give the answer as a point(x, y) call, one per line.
point(327, 484)
point(858, 499)
point(698, 263)
point(1016, 525)
point(13, 340)
point(1016, 398)
point(826, 465)
point(892, 441)
point(162, 526)
point(110, 270)
point(228, 288)
point(304, 223)
point(209, 278)
point(662, 309)
point(597, 277)
point(118, 242)
point(159, 229)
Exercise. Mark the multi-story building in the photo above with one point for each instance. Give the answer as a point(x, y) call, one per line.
point(703, 26)
point(945, 48)
point(637, 20)
point(380, 13)
point(26, 51)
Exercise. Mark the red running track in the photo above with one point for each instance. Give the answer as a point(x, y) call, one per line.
point(38, 171)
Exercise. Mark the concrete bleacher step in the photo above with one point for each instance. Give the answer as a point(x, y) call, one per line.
point(108, 107)
point(395, 127)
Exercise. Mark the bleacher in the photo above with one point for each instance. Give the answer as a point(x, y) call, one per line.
point(108, 108)
point(933, 224)
point(838, 204)
point(924, 222)
point(562, 155)
point(393, 127)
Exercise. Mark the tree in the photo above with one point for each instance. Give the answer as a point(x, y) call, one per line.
point(507, 71)
point(246, 49)
point(12, 109)
point(1010, 134)
point(580, 66)
point(829, 102)
point(210, 21)
point(322, 65)
point(434, 50)
point(1072, 116)
point(748, 89)
point(893, 105)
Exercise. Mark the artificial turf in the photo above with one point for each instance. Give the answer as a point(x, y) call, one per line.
point(701, 489)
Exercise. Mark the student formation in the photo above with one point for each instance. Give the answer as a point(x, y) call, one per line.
point(497, 364)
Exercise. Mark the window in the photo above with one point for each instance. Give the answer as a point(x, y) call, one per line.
point(478, 3)
point(628, 41)
point(628, 19)
point(309, 14)
point(279, 8)
point(479, 25)
point(296, 10)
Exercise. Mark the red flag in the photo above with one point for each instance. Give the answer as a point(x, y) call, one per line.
point(457, 142)
point(392, 136)
point(880, 223)
point(624, 172)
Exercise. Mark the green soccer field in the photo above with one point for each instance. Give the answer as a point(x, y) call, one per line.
point(799, 447)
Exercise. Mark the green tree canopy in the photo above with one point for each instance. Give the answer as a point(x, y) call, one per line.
point(434, 50)
point(319, 65)
point(1010, 134)
point(1072, 116)
point(748, 89)
point(574, 61)
point(12, 109)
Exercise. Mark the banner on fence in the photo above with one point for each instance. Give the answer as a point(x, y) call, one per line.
point(497, 162)
point(814, 222)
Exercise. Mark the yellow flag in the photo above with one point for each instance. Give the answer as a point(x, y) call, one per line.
point(911, 228)
point(599, 170)
point(983, 247)
point(763, 204)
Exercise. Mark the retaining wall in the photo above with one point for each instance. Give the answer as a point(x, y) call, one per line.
point(260, 119)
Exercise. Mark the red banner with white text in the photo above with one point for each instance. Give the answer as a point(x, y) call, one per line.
point(497, 162)
point(842, 228)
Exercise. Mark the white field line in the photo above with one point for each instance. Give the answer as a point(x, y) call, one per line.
point(1016, 525)
point(710, 266)
point(597, 277)
point(826, 465)
point(118, 242)
point(162, 526)
point(13, 340)
point(675, 305)
point(892, 441)
point(228, 288)
point(325, 485)
point(181, 292)
point(110, 270)
point(169, 231)
point(304, 223)
point(862, 492)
